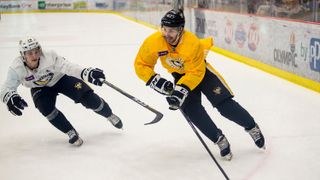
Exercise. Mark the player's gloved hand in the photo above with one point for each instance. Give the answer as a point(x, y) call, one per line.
point(93, 75)
point(161, 85)
point(14, 103)
point(178, 96)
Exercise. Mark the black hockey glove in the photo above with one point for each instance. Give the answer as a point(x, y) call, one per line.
point(178, 96)
point(93, 75)
point(160, 85)
point(14, 103)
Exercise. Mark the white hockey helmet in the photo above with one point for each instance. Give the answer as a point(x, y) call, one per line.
point(27, 44)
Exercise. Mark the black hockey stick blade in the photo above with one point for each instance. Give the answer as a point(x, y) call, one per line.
point(159, 115)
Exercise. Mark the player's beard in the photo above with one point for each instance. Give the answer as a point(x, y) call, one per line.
point(173, 40)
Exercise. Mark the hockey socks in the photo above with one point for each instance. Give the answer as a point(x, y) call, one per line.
point(58, 120)
point(97, 104)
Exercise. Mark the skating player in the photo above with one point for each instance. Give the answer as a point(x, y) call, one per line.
point(48, 74)
point(183, 55)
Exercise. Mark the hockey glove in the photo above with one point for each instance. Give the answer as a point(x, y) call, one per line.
point(178, 96)
point(93, 75)
point(160, 85)
point(14, 103)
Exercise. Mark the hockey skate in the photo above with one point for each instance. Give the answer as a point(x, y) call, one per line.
point(257, 137)
point(224, 147)
point(115, 121)
point(74, 138)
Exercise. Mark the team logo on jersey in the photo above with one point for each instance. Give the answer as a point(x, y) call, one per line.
point(44, 80)
point(175, 63)
point(162, 53)
point(78, 85)
point(217, 90)
point(29, 78)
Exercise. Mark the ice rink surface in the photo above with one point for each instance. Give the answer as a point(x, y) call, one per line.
point(32, 149)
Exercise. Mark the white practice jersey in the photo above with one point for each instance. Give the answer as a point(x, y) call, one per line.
point(52, 68)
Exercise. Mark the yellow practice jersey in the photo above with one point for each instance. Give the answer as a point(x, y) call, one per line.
point(187, 58)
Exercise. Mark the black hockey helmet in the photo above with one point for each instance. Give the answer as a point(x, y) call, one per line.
point(173, 18)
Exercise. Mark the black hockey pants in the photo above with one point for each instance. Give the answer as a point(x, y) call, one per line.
point(220, 96)
point(44, 99)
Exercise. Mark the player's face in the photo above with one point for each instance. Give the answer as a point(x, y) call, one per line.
point(170, 34)
point(32, 58)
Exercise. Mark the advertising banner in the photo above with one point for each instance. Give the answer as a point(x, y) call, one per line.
point(287, 45)
point(12, 6)
point(55, 4)
point(101, 4)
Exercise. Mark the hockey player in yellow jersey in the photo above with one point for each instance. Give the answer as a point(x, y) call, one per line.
point(183, 55)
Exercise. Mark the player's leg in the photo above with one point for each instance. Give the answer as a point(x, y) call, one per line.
point(236, 113)
point(219, 94)
point(93, 101)
point(193, 108)
point(80, 92)
point(44, 100)
point(200, 118)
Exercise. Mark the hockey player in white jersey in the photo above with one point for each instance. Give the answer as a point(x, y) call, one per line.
point(48, 74)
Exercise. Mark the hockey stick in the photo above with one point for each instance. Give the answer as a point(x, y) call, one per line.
point(204, 144)
point(159, 115)
point(178, 5)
